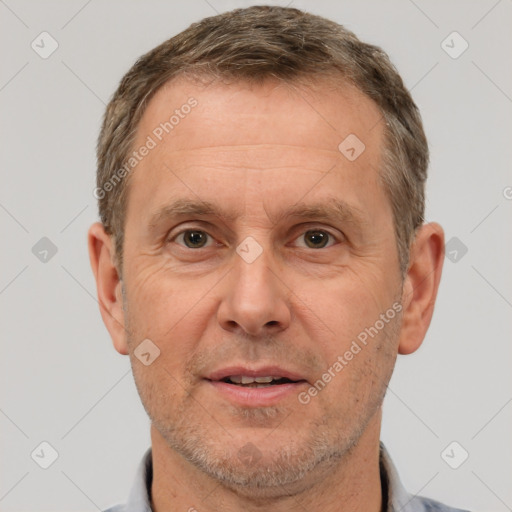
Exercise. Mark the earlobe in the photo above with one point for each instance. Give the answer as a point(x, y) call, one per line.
point(108, 284)
point(421, 285)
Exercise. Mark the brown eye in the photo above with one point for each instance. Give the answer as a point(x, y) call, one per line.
point(316, 239)
point(194, 239)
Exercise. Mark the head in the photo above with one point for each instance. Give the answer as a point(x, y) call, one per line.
point(261, 190)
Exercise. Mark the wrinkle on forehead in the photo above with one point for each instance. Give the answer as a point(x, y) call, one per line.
point(263, 115)
point(256, 156)
point(259, 146)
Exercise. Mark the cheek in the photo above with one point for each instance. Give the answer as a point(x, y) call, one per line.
point(344, 320)
point(159, 387)
point(360, 385)
point(156, 296)
point(343, 307)
point(171, 313)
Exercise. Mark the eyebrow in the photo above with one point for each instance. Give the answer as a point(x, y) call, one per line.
point(330, 208)
point(187, 207)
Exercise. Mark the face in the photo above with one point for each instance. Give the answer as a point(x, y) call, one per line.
point(254, 247)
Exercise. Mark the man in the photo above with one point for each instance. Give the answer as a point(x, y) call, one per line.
point(262, 259)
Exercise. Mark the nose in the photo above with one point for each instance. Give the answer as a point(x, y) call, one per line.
point(255, 300)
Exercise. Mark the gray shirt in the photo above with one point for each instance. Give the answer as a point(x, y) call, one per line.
point(396, 498)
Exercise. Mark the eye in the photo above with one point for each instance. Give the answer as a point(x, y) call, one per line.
point(192, 238)
point(317, 238)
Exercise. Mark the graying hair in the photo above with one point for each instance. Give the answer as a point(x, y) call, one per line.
point(254, 45)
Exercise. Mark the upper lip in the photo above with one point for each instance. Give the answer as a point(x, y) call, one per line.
point(265, 371)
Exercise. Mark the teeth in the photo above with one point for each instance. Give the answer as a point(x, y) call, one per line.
point(243, 379)
point(264, 380)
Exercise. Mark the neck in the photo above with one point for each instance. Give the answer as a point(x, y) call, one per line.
point(350, 483)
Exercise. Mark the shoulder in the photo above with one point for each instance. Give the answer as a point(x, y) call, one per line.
point(398, 499)
point(116, 508)
point(421, 504)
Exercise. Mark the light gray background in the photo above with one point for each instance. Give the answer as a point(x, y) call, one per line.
point(62, 381)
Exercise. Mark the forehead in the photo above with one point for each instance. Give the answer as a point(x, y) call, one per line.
point(319, 115)
point(213, 134)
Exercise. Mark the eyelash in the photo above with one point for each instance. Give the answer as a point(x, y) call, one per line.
point(322, 230)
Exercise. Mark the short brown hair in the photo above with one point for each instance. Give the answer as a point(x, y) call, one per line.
point(256, 44)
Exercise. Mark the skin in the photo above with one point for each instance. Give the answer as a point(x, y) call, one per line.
point(256, 151)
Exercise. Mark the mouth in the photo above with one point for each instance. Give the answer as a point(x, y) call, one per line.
point(256, 387)
point(257, 382)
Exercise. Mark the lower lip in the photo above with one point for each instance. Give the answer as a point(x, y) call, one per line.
point(257, 397)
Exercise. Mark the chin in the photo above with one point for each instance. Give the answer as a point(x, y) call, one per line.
point(268, 468)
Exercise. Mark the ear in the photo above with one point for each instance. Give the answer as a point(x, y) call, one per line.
point(108, 284)
point(420, 286)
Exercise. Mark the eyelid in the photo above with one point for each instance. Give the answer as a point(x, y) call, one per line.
point(336, 238)
point(171, 238)
point(303, 230)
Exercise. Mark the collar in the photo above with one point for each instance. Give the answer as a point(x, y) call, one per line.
point(395, 497)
